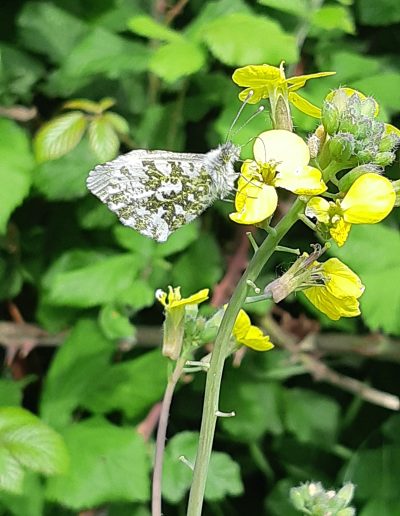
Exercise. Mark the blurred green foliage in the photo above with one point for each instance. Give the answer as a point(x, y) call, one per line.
point(69, 266)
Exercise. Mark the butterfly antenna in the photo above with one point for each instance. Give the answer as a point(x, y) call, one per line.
point(256, 138)
point(259, 110)
point(248, 97)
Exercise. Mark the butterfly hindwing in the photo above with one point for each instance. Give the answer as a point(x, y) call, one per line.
point(154, 192)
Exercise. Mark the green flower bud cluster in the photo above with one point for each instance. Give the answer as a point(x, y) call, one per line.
point(355, 133)
point(312, 498)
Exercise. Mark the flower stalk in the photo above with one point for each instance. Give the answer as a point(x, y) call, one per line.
point(219, 354)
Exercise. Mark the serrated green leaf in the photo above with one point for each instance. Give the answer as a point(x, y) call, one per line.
point(239, 39)
point(334, 17)
point(47, 29)
point(16, 164)
point(84, 105)
point(257, 407)
point(94, 284)
point(103, 139)
point(115, 324)
point(28, 443)
point(128, 387)
point(117, 121)
point(223, 476)
point(177, 59)
point(59, 136)
point(65, 178)
point(380, 275)
point(79, 363)
point(312, 417)
point(149, 28)
point(300, 8)
point(108, 464)
point(29, 501)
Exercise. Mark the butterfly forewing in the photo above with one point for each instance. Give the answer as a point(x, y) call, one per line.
point(154, 192)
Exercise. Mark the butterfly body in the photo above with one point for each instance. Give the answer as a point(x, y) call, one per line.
point(156, 192)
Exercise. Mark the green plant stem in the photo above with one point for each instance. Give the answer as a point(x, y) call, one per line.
point(161, 435)
point(221, 346)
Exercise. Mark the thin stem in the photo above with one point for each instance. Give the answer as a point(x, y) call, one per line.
point(221, 346)
point(161, 435)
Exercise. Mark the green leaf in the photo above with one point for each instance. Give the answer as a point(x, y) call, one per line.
point(257, 407)
point(334, 17)
point(103, 139)
point(10, 392)
point(18, 74)
point(149, 28)
point(384, 12)
point(65, 178)
point(28, 443)
point(179, 240)
point(108, 464)
point(223, 476)
point(300, 8)
point(131, 387)
point(100, 52)
point(117, 121)
point(138, 295)
point(239, 39)
point(132, 240)
point(45, 28)
point(200, 266)
point(59, 136)
point(115, 324)
point(312, 417)
point(30, 501)
point(94, 284)
point(384, 87)
point(177, 59)
point(79, 363)
point(16, 164)
point(93, 214)
point(380, 275)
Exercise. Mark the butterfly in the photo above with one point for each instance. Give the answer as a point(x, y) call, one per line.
point(156, 192)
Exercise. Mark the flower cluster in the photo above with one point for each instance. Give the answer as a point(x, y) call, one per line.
point(312, 498)
point(355, 136)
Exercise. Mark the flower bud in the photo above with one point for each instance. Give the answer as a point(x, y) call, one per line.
point(389, 142)
point(330, 117)
point(396, 186)
point(384, 159)
point(341, 147)
point(348, 179)
point(346, 493)
point(369, 107)
point(339, 99)
point(365, 156)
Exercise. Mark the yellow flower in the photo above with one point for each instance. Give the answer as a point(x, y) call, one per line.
point(369, 200)
point(174, 326)
point(280, 160)
point(248, 335)
point(266, 81)
point(338, 297)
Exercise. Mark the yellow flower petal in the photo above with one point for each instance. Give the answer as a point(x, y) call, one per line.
point(283, 147)
point(318, 207)
point(391, 129)
point(298, 81)
point(369, 200)
point(242, 325)
point(304, 105)
point(258, 94)
point(305, 181)
point(255, 75)
point(329, 305)
point(195, 299)
point(254, 203)
point(342, 281)
point(255, 339)
point(340, 231)
point(248, 170)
